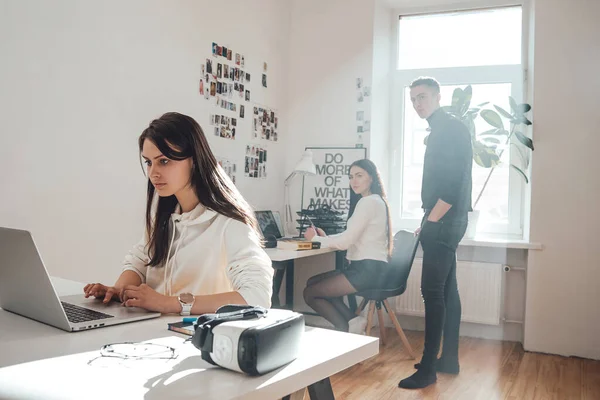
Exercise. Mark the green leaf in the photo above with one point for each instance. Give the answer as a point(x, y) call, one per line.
point(483, 104)
point(468, 94)
point(485, 156)
point(520, 172)
point(491, 139)
point(457, 98)
point(504, 113)
point(492, 118)
point(524, 139)
point(490, 132)
point(524, 108)
point(524, 158)
point(513, 104)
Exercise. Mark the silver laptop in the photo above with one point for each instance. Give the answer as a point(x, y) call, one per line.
point(26, 289)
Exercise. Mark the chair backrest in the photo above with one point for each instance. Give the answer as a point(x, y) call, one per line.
point(405, 248)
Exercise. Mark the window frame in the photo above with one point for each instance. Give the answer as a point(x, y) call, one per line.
point(400, 79)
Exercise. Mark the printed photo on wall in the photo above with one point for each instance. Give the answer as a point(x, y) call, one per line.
point(229, 167)
point(367, 126)
point(224, 52)
point(208, 66)
point(213, 88)
point(201, 88)
point(359, 97)
point(367, 91)
point(247, 77)
point(359, 83)
point(219, 70)
point(265, 123)
point(226, 71)
point(214, 49)
point(264, 80)
point(219, 50)
point(243, 62)
point(247, 95)
point(229, 55)
point(255, 165)
point(360, 115)
point(237, 58)
point(241, 111)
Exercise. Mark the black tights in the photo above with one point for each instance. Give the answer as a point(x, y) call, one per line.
point(324, 293)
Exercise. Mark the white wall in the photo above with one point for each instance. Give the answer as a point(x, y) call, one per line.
point(331, 44)
point(79, 81)
point(562, 283)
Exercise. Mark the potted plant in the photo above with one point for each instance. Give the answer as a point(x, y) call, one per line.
point(489, 146)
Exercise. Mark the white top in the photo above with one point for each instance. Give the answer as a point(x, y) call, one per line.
point(209, 253)
point(366, 236)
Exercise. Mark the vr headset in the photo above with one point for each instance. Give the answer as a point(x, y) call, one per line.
point(247, 339)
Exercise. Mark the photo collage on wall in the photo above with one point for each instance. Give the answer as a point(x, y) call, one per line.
point(265, 124)
point(363, 123)
point(224, 126)
point(225, 81)
point(255, 165)
point(229, 167)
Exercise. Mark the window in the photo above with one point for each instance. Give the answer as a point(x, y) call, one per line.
point(478, 48)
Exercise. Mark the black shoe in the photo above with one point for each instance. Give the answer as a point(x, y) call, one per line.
point(445, 367)
point(420, 379)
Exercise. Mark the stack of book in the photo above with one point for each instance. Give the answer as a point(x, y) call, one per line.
point(297, 244)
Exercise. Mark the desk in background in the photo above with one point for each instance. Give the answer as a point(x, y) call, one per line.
point(40, 361)
point(283, 263)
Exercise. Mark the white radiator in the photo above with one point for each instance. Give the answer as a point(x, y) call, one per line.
point(479, 286)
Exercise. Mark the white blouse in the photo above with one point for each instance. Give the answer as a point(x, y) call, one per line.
point(366, 236)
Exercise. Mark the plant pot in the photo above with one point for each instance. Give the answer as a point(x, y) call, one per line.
point(472, 225)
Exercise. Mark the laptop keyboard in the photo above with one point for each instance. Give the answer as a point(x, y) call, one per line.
point(80, 314)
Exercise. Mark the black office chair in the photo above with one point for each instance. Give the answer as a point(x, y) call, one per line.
point(403, 255)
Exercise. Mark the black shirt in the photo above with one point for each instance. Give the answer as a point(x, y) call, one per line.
point(448, 165)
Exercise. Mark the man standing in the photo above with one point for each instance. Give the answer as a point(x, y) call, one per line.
point(446, 197)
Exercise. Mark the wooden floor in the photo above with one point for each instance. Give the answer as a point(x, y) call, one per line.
point(489, 370)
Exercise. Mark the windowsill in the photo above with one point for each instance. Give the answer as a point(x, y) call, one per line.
point(501, 243)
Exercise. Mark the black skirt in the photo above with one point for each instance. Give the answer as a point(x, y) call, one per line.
point(367, 274)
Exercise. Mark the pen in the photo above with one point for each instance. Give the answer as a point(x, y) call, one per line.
point(312, 225)
point(189, 319)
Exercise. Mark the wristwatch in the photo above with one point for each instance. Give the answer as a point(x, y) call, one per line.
point(187, 301)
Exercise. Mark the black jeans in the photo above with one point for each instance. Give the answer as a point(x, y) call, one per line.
point(439, 288)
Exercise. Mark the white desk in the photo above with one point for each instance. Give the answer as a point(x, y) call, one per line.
point(39, 361)
point(286, 255)
point(283, 263)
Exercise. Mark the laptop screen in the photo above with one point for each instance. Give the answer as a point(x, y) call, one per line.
point(267, 224)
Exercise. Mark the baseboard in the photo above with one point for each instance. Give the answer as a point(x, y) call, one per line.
point(505, 332)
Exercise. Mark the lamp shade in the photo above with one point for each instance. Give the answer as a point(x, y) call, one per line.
point(306, 166)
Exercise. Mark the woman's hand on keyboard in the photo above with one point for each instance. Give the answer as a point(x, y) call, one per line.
point(100, 291)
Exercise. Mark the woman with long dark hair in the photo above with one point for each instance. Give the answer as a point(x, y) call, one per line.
point(202, 247)
point(368, 239)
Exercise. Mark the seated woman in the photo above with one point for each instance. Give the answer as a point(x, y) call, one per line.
point(202, 247)
point(369, 244)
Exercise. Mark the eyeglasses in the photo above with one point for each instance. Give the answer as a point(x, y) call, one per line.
point(137, 351)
